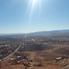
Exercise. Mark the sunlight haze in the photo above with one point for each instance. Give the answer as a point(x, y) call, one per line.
point(24, 16)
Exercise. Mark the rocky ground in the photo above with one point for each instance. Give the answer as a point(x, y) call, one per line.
point(38, 62)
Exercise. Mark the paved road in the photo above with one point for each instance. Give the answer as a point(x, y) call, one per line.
point(9, 56)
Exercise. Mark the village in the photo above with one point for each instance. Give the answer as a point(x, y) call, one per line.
point(33, 54)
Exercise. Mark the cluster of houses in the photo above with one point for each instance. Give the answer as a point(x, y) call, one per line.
point(21, 59)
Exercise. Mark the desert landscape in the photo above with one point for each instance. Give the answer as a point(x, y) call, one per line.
point(34, 34)
point(35, 51)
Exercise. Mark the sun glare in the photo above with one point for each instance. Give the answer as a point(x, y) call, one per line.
point(34, 3)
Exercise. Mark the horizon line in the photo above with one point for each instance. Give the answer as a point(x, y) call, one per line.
point(31, 32)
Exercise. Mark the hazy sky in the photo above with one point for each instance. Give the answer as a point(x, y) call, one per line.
point(19, 16)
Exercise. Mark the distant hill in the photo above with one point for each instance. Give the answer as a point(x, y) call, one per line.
point(57, 34)
point(51, 33)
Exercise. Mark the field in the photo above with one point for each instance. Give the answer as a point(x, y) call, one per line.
point(34, 53)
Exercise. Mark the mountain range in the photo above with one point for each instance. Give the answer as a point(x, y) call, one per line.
point(57, 34)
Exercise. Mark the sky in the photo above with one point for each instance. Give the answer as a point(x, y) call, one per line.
point(25, 16)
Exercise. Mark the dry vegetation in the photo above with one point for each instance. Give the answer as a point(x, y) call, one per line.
point(38, 62)
point(41, 55)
